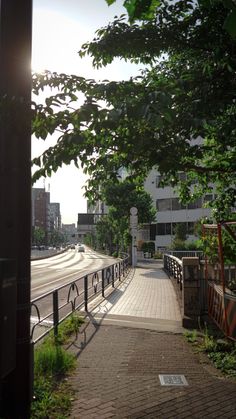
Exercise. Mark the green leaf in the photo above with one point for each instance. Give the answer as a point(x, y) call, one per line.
point(109, 2)
point(230, 23)
point(141, 9)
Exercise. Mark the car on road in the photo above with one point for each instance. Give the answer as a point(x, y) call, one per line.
point(81, 248)
point(72, 246)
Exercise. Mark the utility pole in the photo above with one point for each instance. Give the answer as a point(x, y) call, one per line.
point(15, 206)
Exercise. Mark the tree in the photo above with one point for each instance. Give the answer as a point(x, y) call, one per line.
point(180, 237)
point(105, 232)
point(187, 92)
point(146, 9)
point(113, 229)
point(121, 196)
point(38, 236)
point(209, 244)
point(56, 238)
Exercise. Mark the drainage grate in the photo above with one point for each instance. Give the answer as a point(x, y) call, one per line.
point(173, 380)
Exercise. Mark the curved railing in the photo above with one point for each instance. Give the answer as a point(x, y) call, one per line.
point(174, 268)
point(50, 309)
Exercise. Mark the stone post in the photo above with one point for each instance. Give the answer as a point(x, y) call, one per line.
point(191, 291)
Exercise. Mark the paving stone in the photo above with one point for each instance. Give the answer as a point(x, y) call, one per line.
point(120, 360)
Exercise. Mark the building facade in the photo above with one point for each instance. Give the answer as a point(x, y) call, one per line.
point(86, 224)
point(170, 211)
point(55, 216)
point(41, 209)
point(70, 233)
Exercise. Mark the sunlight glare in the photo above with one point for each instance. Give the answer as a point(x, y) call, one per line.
point(56, 41)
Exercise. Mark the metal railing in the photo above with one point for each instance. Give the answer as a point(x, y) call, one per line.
point(185, 253)
point(220, 306)
point(173, 265)
point(214, 274)
point(50, 309)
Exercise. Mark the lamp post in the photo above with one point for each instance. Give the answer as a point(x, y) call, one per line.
point(15, 199)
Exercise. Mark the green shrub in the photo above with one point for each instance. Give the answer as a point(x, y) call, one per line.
point(52, 395)
point(49, 403)
point(191, 246)
point(191, 335)
point(178, 244)
point(69, 327)
point(222, 352)
point(52, 359)
point(225, 361)
point(158, 255)
point(148, 247)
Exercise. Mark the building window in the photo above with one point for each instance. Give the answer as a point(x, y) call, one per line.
point(168, 228)
point(190, 228)
point(163, 204)
point(159, 178)
point(176, 204)
point(208, 198)
point(195, 204)
point(161, 229)
point(182, 176)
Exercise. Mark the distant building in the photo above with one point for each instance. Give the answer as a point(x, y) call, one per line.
point(70, 233)
point(55, 216)
point(41, 209)
point(87, 224)
point(98, 208)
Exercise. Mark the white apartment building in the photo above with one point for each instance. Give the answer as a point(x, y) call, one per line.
point(170, 211)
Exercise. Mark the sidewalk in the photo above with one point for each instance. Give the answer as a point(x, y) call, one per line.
point(131, 338)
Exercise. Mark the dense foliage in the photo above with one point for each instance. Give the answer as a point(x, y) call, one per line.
point(178, 114)
point(113, 229)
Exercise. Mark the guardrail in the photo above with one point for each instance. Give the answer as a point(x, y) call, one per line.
point(58, 304)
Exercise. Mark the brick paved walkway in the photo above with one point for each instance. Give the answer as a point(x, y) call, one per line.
point(147, 293)
point(118, 369)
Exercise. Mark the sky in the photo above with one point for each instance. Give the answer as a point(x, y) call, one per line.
point(60, 27)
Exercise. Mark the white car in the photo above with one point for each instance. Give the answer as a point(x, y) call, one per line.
point(81, 248)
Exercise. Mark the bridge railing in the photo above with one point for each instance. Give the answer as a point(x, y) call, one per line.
point(173, 265)
point(185, 253)
point(201, 294)
point(50, 309)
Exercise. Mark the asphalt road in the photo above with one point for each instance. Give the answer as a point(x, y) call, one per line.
point(50, 273)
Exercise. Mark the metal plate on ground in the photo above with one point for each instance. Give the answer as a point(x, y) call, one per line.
point(173, 380)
